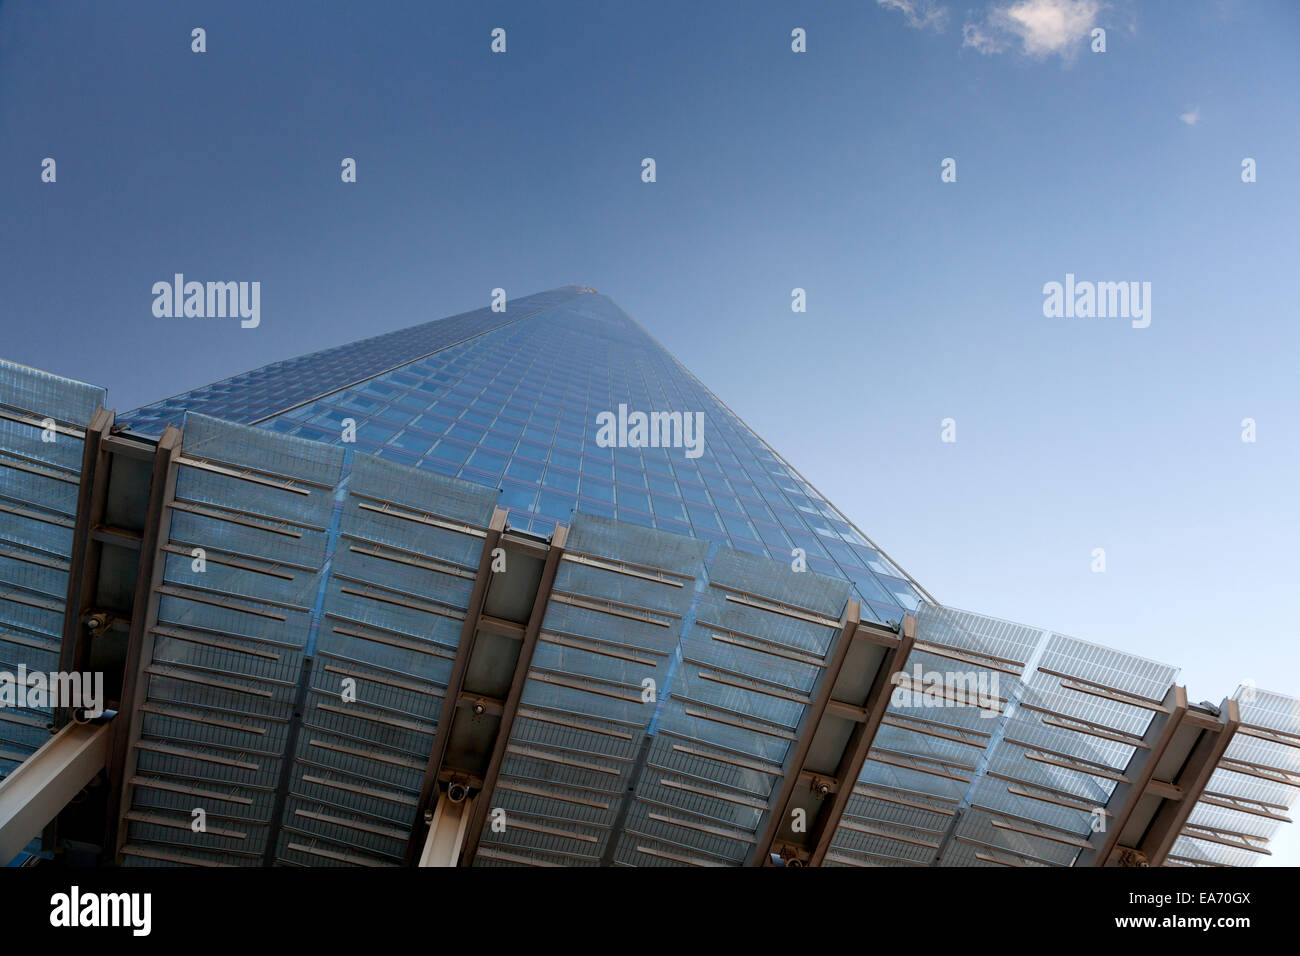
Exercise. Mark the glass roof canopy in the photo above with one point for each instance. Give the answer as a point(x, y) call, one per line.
point(1015, 781)
point(312, 551)
point(672, 681)
point(1253, 785)
point(42, 422)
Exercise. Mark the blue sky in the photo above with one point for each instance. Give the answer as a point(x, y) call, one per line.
point(775, 170)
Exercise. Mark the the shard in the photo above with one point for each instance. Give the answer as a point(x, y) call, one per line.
point(515, 588)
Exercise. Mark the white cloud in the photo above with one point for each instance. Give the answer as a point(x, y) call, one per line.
point(1192, 116)
point(919, 13)
point(976, 36)
point(1040, 27)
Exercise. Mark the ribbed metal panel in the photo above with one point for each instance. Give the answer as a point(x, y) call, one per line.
point(585, 705)
point(301, 545)
point(40, 470)
point(1254, 769)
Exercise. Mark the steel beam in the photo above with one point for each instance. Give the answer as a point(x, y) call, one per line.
point(808, 724)
point(83, 565)
point(1140, 782)
point(140, 639)
point(42, 785)
point(1169, 820)
point(511, 709)
point(465, 647)
point(442, 847)
point(864, 734)
point(497, 639)
point(832, 740)
point(120, 506)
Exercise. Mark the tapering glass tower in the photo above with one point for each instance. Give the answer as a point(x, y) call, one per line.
point(439, 596)
point(510, 400)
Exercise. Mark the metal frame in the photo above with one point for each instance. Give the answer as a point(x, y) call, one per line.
point(85, 621)
point(140, 649)
point(42, 785)
point(1168, 822)
point(478, 816)
point(865, 711)
point(465, 647)
point(443, 845)
point(84, 560)
point(1139, 779)
point(864, 735)
point(456, 823)
point(126, 728)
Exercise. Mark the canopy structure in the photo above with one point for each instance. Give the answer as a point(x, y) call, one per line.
point(326, 658)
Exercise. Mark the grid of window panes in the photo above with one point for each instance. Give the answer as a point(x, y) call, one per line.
point(515, 408)
point(255, 395)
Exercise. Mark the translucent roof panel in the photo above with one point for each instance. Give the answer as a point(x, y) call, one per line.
point(280, 552)
point(42, 428)
point(999, 770)
point(1251, 790)
point(606, 650)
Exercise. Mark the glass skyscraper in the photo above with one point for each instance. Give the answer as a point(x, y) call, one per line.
point(355, 590)
point(510, 399)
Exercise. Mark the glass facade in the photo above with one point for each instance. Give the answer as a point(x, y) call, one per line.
point(257, 395)
point(510, 400)
point(342, 521)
